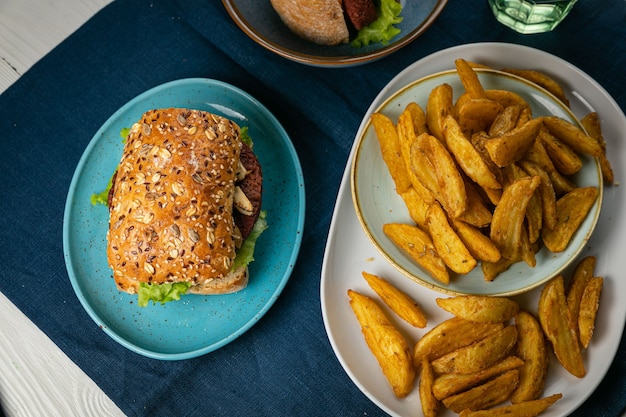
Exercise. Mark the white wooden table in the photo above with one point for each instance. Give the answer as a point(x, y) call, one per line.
point(36, 377)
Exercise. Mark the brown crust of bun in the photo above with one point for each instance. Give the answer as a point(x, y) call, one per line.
point(318, 21)
point(171, 209)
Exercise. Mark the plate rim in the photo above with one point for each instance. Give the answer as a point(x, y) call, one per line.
point(81, 166)
point(434, 62)
point(361, 137)
point(330, 61)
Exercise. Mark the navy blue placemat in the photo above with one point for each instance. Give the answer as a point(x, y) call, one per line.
point(284, 365)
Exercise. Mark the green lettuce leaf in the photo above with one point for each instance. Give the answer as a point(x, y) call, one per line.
point(245, 254)
point(382, 29)
point(161, 293)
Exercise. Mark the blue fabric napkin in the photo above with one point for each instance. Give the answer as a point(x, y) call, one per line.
point(284, 365)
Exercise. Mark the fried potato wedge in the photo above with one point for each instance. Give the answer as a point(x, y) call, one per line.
point(505, 121)
point(546, 193)
point(480, 308)
point(438, 106)
point(531, 347)
point(486, 395)
point(559, 328)
point(469, 79)
point(398, 301)
point(565, 160)
point(391, 151)
point(541, 79)
point(449, 335)
point(477, 114)
point(530, 408)
point(583, 272)
point(430, 404)
point(451, 384)
point(449, 245)
point(572, 135)
point(508, 98)
point(453, 196)
point(508, 216)
point(423, 168)
point(591, 123)
point(416, 206)
point(468, 158)
point(571, 210)
point(512, 145)
point(478, 244)
point(492, 269)
point(477, 213)
point(386, 343)
point(419, 246)
point(479, 355)
point(589, 309)
point(419, 117)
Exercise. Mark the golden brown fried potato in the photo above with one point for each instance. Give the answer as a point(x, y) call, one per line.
point(419, 246)
point(469, 79)
point(508, 217)
point(419, 118)
point(485, 395)
point(511, 146)
point(386, 343)
point(572, 135)
point(398, 301)
point(508, 98)
point(453, 196)
point(571, 210)
point(525, 409)
point(531, 347)
point(565, 160)
point(546, 193)
point(477, 213)
point(416, 206)
point(559, 328)
point(541, 79)
point(480, 308)
point(492, 269)
point(468, 158)
point(505, 121)
point(391, 151)
point(448, 244)
point(422, 168)
point(588, 310)
point(478, 244)
point(583, 272)
point(438, 106)
point(449, 335)
point(477, 114)
point(451, 384)
point(591, 123)
point(479, 355)
point(430, 404)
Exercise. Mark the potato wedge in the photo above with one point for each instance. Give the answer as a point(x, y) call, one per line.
point(559, 328)
point(478, 244)
point(583, 272)
point(406, 137)
point(430, 404)
point(492, 269)
point(589, 309)
point(416, 206)
point(452, 193)
point(546, 193)
point(511, 146)
point(423, 168)
point(565, 160)
point(448, 244)
point(451, 384)
point(572, 135)
point(485, 395)
point(468, 158)
point(508, 98)
point(541, 79)
point(508, 217)
point(386, 343)
point(419, 246)
point(505, 121)
point(531, 347)
point(571, 210)
point(591, 123)
point(449, 335)
point(419, 117)
point(477, 213)
point(479, 355)
point(469, 79)
point(438, 106)
point(480, 308)
point(477, 114)
point(530, 408)
point(399, 302)
point(391, 152)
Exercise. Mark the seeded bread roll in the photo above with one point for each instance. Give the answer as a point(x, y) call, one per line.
point(171, 211)
point(318, 21)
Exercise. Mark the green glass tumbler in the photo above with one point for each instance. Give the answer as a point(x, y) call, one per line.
point(531, 16)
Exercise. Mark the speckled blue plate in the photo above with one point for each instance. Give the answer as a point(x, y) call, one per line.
point(261, 23)
point(194, 325)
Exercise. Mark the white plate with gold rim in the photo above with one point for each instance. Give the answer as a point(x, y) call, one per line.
point(349, 251)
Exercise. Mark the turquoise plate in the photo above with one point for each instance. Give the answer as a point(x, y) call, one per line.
point(196, 324)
